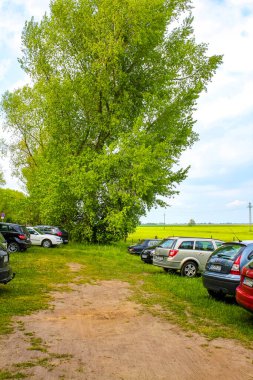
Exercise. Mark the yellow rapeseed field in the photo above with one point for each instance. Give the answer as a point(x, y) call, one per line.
point(226, 232)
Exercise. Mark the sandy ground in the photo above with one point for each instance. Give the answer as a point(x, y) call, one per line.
point(94, 332)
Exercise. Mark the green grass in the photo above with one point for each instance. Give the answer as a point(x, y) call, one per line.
point(180, 300)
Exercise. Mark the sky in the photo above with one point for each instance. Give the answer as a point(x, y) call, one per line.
point(219, 186)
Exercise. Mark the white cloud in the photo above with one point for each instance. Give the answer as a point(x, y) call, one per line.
point(236, 203)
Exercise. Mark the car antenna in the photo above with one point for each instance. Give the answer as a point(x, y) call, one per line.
point(235, 235)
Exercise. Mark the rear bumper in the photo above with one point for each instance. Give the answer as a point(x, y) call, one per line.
point(6, 276)
point(24, 244)
point(243, 299)
point(146, 258)
point(165, 263)
point(225, 283)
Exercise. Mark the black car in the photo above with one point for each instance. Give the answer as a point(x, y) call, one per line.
point(54, 230)
point(147, 243)
point(17, 236)
point(147, 253)
point(6, 273)
point(223, 269)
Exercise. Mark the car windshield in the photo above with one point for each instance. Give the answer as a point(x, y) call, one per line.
point(227, 251)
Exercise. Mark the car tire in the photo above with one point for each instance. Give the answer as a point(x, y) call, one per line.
point(189, 269)
point(219, 296)
point(46, 243)
point(13, 247)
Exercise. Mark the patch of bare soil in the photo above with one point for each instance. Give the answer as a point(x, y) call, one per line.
point(94, 332)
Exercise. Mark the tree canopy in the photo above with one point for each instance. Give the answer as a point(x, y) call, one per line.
point(100, 129)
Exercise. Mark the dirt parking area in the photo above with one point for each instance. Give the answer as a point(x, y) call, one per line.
point(94, 332)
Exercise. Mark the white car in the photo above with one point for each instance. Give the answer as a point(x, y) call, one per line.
point(44, 240)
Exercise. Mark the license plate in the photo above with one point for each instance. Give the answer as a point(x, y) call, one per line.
point(144, 256)
point(216, 268)
point(248, 281)
point(159, 258)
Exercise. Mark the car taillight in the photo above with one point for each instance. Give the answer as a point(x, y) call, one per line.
point(172, 252)
point(22, 237)
point(236, 266)
point(59, 233)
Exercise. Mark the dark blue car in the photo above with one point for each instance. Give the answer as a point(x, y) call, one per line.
point(223, 268)
point(6, 273)
point(147, 243)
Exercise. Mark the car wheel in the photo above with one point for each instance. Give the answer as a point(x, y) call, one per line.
point(46, 243)
point(13, 247)
point(189, 269)
point(216, 294)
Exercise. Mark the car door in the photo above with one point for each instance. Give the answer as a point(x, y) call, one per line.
point(203, 250)
point(4, 229)
point(34, 236)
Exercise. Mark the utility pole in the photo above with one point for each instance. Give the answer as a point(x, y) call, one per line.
point(250, 207)
point(164, 221)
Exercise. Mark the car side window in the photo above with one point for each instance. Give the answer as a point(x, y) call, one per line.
point(11, 228)
point(186, 245)
point(204, 245)
point(151, 243)
point(250, 253)
point(4, 227)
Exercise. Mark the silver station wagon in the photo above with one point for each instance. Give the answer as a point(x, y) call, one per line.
point(185, 254)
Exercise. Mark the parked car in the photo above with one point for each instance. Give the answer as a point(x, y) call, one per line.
point(223, 269)
point(54, 230)
point(17, 236)
point(185, 254)
point(244, 292)
point(138, 248)
point(6, 274)
point(44, 240)
point(147, 253)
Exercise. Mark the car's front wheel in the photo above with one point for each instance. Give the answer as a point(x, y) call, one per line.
point(46, 243)
point(189, 269)
point(13, 247)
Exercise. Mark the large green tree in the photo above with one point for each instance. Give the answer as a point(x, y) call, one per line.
point(2, 180)
point(13, 204)
point(100, 130)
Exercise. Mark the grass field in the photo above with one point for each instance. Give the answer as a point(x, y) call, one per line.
point(226, 232)
point(182, 301)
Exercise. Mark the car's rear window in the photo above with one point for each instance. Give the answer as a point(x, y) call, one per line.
point(168, 243)
point(227, 251)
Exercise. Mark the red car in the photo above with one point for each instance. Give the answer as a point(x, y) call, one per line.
point(244, 292)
